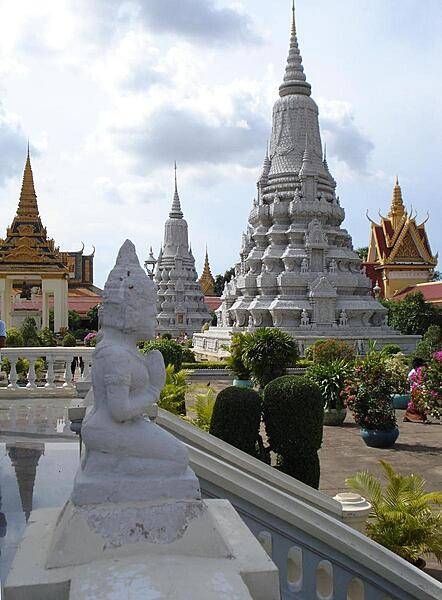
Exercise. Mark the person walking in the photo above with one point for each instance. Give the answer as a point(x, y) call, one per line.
point(2, 334)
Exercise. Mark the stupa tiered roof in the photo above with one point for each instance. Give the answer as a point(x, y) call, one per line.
point(180, 300)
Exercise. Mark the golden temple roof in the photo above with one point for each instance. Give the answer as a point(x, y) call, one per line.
point(206, 280)
point(26, 244)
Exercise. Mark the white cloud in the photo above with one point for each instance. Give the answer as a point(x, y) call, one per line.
point(345, 141)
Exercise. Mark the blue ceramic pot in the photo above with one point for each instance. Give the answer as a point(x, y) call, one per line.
point(243, 383)
point(380, 439)
point(400, 401)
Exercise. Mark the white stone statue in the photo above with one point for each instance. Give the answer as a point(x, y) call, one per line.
point(304, 266)
point(127, 456)
point(332, 267)
point(343, 319)
point(305, 319)
point(250, 323)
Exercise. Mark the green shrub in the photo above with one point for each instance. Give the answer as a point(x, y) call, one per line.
point(236, 419)
point(30, 333)
point(47, 337)
point(204, 365)
point(69, 341)
point(166, 336)
point(324, 351)
point(74, 320)
point(235, 360)
point(293, 412)
point(430, 343)
point(14, 338)
point(188, 356)
point(171, 350)
point(267, 353)
point(173, 394)
point(390, 350)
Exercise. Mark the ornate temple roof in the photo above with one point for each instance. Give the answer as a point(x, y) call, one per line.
point(398, 239)
point(26, 244)
point(207, 282)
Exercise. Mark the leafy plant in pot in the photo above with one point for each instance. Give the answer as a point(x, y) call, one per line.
point(368, 395)
point(404, 518)
point(268, 352)
point(331, 378)
point(235, 361)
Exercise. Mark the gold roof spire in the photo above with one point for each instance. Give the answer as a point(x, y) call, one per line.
point(397, 208)
point(27, 205)
point(207, 281)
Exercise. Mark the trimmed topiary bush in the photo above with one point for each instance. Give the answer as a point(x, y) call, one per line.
point(69, 341)
point(171, 350)
point(29, 332)
point(236, 419)
point(324, 351)
point(47, 337)
point(390, 350)
point(293, 414)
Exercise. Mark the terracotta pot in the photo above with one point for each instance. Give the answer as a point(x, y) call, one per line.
point(333, 416)
point(380, 439)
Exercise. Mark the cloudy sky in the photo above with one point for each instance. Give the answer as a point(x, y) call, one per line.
point(111, 92)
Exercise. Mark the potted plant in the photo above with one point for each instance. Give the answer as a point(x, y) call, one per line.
point(368, 395)
point(398, 371)
point(268, 352)
point(235, 361)
point(330, 378)
point(403, 517)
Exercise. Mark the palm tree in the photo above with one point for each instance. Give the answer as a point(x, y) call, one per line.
point(404, 518)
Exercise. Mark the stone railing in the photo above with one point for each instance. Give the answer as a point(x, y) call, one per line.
point(58, 378)
point(318, 556)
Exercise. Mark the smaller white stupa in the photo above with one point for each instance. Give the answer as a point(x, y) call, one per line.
point(180, 299)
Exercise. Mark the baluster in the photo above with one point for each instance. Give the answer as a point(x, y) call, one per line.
point(86, 376)
point(31, 374)
point(13, 373)
point(50, 373)
point(67, 423)
point(68, 373)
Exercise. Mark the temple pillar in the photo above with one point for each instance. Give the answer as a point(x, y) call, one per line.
point(6, 301)
point(59, 289)
point(61, 312)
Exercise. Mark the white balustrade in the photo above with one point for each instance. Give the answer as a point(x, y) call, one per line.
point(55, 382)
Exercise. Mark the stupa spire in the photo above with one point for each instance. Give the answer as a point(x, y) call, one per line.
point(27, 205)
point(397, 208)
point(176, 212)
point(294, 78)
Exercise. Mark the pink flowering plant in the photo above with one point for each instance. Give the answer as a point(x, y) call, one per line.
point(426, 388)
point(90, 339)
point(368, 394)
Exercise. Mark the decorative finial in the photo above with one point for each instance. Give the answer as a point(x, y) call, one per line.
point(396, 180)
point(176, 212)
point(293, 19)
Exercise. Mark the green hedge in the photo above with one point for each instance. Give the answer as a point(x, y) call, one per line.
point(236, 419)
point(293, 415)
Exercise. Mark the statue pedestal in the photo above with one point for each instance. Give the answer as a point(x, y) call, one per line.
point(131, 550)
